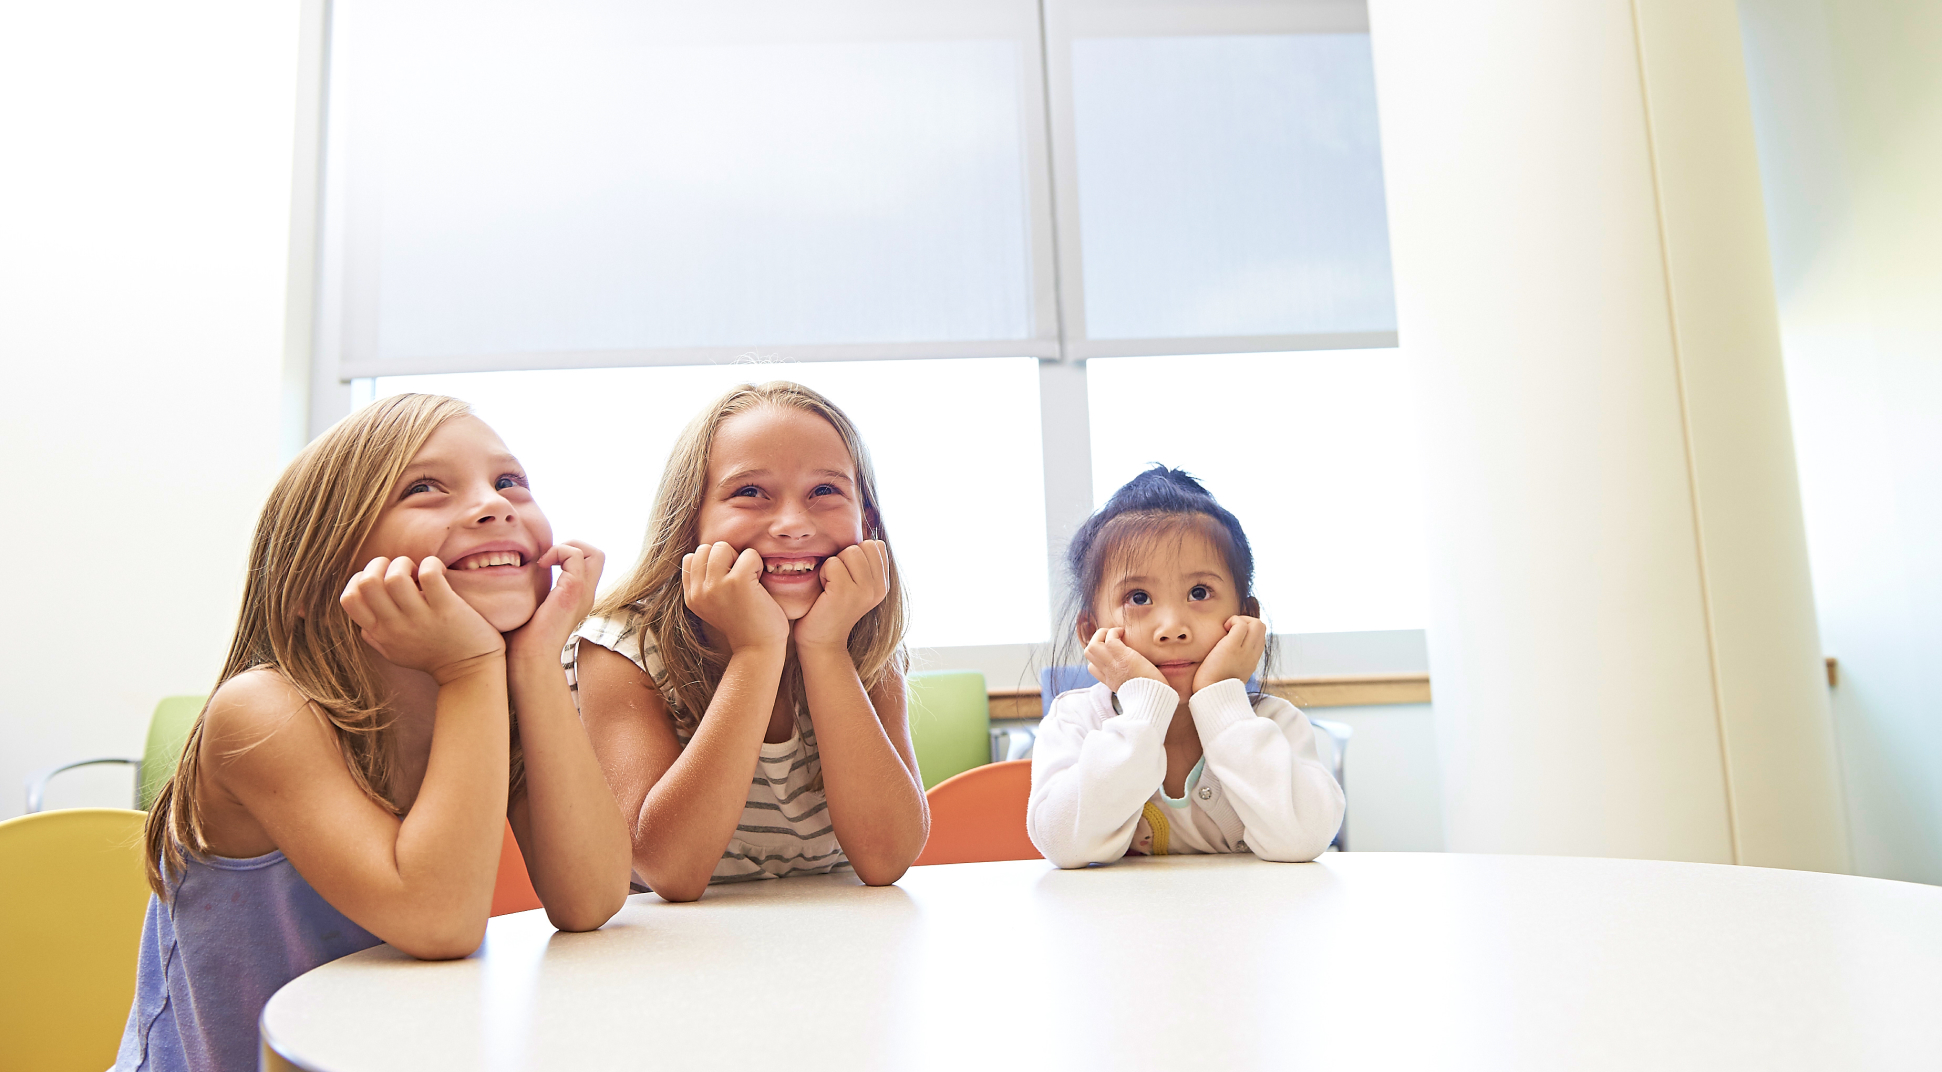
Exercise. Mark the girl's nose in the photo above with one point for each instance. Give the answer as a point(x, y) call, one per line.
point(791, 521)
point(1171, 631)
point(492, 506)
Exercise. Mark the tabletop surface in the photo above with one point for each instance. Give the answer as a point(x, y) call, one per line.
point(1368, 960)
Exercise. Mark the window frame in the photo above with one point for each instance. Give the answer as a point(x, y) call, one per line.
point(320, 380)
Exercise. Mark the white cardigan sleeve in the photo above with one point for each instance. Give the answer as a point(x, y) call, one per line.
point(1091, 776)
point(1266, 761)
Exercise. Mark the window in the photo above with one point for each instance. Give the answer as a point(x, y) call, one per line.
point(954, 443)
point(611, 182)
point(1029, 245)
point(1314, 452)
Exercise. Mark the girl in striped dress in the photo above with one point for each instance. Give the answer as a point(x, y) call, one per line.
point(744, 687)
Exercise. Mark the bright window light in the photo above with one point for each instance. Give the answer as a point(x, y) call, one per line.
point(1230, 186)
point(955, 444)
point(1315, 452)
point(595, 175)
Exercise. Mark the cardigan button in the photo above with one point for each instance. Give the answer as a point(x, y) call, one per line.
point(1206, 792)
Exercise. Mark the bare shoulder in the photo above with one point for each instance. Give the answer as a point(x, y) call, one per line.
point(260, 736)
point(256, 710)
point(606, 669)
point(610, 681)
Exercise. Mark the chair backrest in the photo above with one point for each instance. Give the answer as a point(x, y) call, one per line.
point(1335, 735)
point(980, 815)
point(513, 890)
point(950, 722)
point(1056, 679)
point(72, 898)
point(168, 728)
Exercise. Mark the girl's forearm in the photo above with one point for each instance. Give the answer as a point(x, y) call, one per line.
point(1089, 782)
point(689, 815)
point(578, 851)
point(447, 850)
point(876, 801)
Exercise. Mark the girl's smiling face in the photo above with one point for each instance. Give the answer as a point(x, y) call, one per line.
point(465, 500)
point(781, 481)
point(1173, 593)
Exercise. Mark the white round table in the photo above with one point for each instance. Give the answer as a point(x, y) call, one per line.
point(1369, 960)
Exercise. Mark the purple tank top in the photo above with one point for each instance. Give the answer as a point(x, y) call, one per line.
point(233, 932)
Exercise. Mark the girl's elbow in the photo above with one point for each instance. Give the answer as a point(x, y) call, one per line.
point(678, 889)
point(881, 872)
point(443, 943)
point(882, 861)
point(1299, 853)
point(1065, 857)
point(590, 915)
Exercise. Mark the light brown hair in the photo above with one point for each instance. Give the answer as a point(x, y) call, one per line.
point(319, 514)
point(654, 588)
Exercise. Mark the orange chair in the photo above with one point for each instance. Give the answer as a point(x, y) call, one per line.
point(513, 890)
point(980, 815)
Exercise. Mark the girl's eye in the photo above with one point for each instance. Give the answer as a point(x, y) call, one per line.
point(1138, 598)
point(748, 492)
point(826, 489)
point(1199, 592)
point(415, 487)
point(509, 480)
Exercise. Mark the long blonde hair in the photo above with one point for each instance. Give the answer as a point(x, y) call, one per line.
point(654, 588)
point(321, 511)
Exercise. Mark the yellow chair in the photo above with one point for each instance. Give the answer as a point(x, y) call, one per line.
point(72, 897)
point(168, 728)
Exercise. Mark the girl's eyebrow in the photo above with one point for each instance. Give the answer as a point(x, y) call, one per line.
point(740, 476)
point(1142, 579)
point(835, 474)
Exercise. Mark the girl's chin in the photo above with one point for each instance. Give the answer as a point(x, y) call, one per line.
point(505, 615)
point(795, 609)
point(795, 598)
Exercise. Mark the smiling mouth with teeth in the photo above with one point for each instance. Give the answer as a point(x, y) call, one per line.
point(485, 559)
point(792, 567)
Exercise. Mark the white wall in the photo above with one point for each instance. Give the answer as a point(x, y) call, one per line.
point(1847, 100)
point(144, 219)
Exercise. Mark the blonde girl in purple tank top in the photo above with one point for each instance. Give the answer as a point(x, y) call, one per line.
point(399, 607)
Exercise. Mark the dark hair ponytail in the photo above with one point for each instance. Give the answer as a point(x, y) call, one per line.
point(1157, 503)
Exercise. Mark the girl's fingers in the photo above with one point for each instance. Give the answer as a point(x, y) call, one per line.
point(435, 586)
point(592, 559)
point(401, 583)
point(370, 588)
point(840, 569)
point(746, 566)
point(555, 555)
point(353, 603)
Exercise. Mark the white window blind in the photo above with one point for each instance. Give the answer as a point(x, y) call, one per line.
point(1220, 177)
point(593, 182)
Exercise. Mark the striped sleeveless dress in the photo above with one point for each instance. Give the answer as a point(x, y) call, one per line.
point(784, 829)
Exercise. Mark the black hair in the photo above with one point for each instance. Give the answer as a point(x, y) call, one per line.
point(1158, 503)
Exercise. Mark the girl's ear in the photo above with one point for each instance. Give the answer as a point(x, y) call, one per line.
point(1087, 627)
point(1251, 607)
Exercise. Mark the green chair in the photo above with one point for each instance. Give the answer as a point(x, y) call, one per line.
point(950, 722)
point(168, 728)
